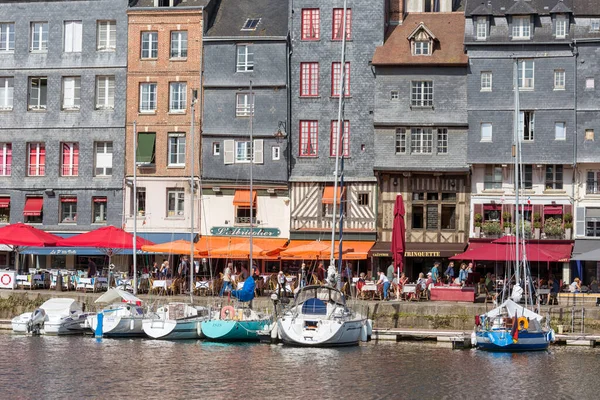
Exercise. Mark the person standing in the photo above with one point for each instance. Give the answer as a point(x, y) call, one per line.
point(435, 272)
point(321, 273)
point(390, 272)
point(385, 284)
point(91, 268)
point(226, 280)
point(462, 275)
point(449, 274)
point(281, 283)
point(302, 276)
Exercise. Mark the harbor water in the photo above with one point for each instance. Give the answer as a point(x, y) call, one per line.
point(85, 367)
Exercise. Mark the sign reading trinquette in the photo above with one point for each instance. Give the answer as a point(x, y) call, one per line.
point(236, 231)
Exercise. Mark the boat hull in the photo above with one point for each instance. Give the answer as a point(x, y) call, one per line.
point(182, 329)
point(118, 326)
point(233, 331)
point(496, 341)
point(330, 333)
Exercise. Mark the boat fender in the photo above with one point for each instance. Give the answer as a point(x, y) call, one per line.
point(274, 332)
point(227, 312)
point(369, 327)
point(131, 324)
point(473, 339)
point(199, 328)
point(523, 323)
point(99, 323)
point(363, 333)
point(551, 336)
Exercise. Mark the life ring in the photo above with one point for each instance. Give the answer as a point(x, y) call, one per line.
point(227, 312)
point(6, 281)
point(523, 323)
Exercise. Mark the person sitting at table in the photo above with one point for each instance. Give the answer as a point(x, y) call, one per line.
point(155, 270)
point(421, 284)
point(244, 272)
point(575, 287)
point(594, 287)
point(361, 282)
point(164, 269)
point(255, 272)
point(384, 284)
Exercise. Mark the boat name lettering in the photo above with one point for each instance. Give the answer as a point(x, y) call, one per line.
point(235, 231)
point(422, 254)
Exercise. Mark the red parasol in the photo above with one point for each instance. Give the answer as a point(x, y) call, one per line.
point(398, 235)
point(107, 237)
point(21, 235)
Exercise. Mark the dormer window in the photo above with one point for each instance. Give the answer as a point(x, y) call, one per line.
point(421, 41)
point(560, 26)
point(421, 48)
point(164, 3)
point(521, 29)
point(251, 24)
point(481, 28)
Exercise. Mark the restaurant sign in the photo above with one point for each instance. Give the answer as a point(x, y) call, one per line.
point(237, 231)
point(422, 254)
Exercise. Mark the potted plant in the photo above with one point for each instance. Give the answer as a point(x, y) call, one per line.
point(492, 228)
point(568, 218)
point(537, 225)
point(478, 221)
point(507, 217)
point(553, 228)
point(526, 229)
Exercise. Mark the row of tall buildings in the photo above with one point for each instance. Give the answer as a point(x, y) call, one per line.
point(429, 113)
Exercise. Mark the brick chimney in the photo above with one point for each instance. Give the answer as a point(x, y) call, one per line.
point(396, 11)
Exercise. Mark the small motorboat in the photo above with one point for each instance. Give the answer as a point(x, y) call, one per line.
point(122, 318)
point(59, 316)
point(176, 321)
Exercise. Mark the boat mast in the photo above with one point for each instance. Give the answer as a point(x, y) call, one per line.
point(516, 155)
point(339, 134)
point(251, 165)
point(135, 210)
point(192, 133)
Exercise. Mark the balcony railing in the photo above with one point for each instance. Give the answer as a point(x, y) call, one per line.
point(70, 170)
point(244, 220)
point(37, 170)
point(5, 171)
point(592, 187)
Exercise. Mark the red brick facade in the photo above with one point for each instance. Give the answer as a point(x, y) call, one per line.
point(396, 10)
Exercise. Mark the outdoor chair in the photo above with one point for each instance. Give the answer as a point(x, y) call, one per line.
point(488, 296)
point(553, 299)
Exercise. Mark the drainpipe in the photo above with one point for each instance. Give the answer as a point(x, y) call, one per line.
point(575, 172)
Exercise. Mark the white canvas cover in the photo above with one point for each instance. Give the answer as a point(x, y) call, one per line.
point(118, 295)
point(513, 309)
point(61, 307)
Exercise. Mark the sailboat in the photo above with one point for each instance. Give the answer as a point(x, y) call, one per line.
point(512, 327)
point(122, 318)
point(319, 315)
point(239, 322)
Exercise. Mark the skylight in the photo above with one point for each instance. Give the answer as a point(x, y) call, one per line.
point(251, 24)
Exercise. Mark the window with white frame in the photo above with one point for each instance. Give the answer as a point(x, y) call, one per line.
point(139, 206)
point(5, 159)
point(177, 97)
point(560, 131)
point(73, 36)
point(421, 94)
point(147, 97)
point(105, 92)
point(243, 152)
point(106, 35)
point(6, 92)
point(7, 37)
point(344, 143)
point(336, 76)
point(70, 159)
point(216, 146)
point(481, 28)
point(592, 221)
point(559, 79)
point(560, 26)
point(442, 141)
point(39, 36)
point(595, 25)
point(71, 93)
point(311, 24)
point(521, 28)
point(36, 162)
point(400, 140)
point(103, 158)
point(309, 79)
point(486, 132)
point(68, 209)
point(308, 143)
point(589, 84)
point(338, 24)
point(421, 140)
point(176, 149)
point(175, 202)
point(492, 177)
point(554, 177)
point(149, 44)
point(526, 125)
point(245, 58)
point(38, 92)
point(593, 182)
point(179, 44)
point(243, 105)
point(486, 81)
point(421, 48)
point(275, 153)
point(99, 209)
point(526, 74)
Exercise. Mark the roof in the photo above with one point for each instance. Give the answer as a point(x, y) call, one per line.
point(561, 7)
point(521, 7)
point(177, 4)
point(231, 16)
point(448, 28)
point(541, 7)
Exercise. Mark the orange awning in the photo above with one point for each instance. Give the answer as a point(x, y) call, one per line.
point(310, 250)
point(175, 247)
point(33, 206)
point(242, 198)
point(328, 195)
point(233, 247)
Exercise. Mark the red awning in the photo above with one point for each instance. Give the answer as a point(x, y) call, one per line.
point(68, 199)
point(492, 207)
point(328, 195)
point(525, 207)
point(553, 210)
point(4, 202)
point(242, 198)
point(99, 199)
point(504, 250)
point(33, 206)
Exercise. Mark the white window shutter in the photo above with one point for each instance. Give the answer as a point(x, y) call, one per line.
point(77, 36)
point(521, 125)
point(258, 151)
point(580, 222)
point(69, 92)
point(229, 151)
point(68, 37)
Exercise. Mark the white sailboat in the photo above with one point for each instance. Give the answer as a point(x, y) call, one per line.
point(121, 318)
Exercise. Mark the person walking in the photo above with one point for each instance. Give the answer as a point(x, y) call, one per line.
point(226, 280)
point(435, 272)
point(449, 273)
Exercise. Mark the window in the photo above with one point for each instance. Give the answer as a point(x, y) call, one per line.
point(526, 125)
point(37, 159)
point(401, 140)
point(68, 209)
point(39, 36)
point(5, 159)
point(421, 140)
point(308, 143)
point(593, 182)
point(309, 79)
point(421, 48)
point(148, 97)
point(72, 36)
point(7, 37)
point(527, 181)
point(592, 221)
point(251, 24)
point(486, 132)
point(560, 131)
point(106, 35)
point(6, 93)
point(38, 90)
point(595, 25)
point(243, 152)
point(345, 139)
point(554, 177)
point(559, 79)
point(175, 202)
point(363, 199)
point(179, 44)
point(589, 83)
point(442, 141)
point(311, 24)
point(486, 81)
point(481, 28)
point(245, 58)
point(140, 202)
point(421, 94)
point(335, 79)
point(71, 93)
point(105, 92)
point(4, 218)
point(242, 215)
point(525, 73)
point(176, 149)
point(338, 20)
point(520, 27)
point(34, 216)
point(149, 44)
point(275, 153)
point(216, 148)
point(448, 217)
point(146, 151)
point(394, 95)
point(177, 97)
point(417, 217)
point(493, 177)
point(103, 161)
point(70, 159)
point(99, 210)
point(560, 28)
point(244, 106)
point(589, 135)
